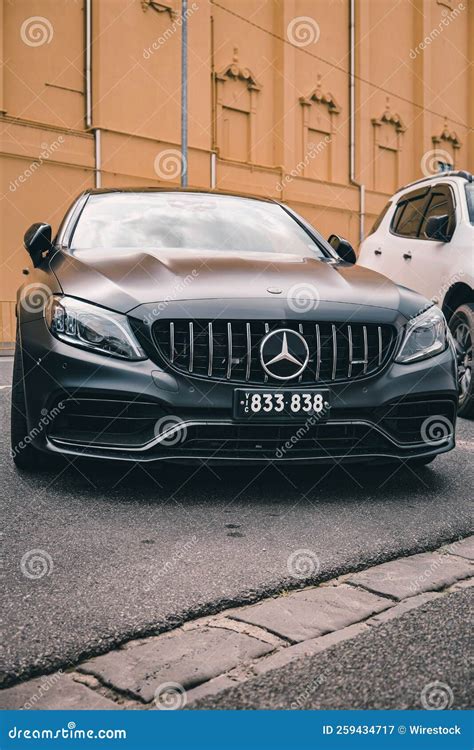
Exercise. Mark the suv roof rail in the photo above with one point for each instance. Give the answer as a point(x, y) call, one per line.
point(451, 173)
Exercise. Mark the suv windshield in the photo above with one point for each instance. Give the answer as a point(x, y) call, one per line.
point(189, 221)
point(470, 201)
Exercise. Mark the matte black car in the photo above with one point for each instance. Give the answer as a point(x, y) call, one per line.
point(202, 326)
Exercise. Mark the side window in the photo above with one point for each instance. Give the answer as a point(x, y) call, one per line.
point(409, 214)
point(440, 204)
point(379, 218)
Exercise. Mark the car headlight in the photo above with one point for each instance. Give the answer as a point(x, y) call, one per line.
point(90, 327)
point(425, 336)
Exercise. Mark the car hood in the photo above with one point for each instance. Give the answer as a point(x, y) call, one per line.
point(123, 280)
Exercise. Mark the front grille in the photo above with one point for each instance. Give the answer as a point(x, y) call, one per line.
point(230, 350)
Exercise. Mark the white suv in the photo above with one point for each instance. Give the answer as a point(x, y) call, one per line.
point(424, 240)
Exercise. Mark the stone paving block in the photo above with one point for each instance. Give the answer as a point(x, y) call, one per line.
point(187, 658)
point(408, 576)
point(56, 691)
point(464, 548)
point(308, 614)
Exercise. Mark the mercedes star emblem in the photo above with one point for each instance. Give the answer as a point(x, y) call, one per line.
point(284, 354)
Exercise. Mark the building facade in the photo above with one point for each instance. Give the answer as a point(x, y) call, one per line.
point(328, 105)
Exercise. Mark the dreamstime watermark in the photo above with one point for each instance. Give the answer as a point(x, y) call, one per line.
point(436, 429)
point(36, 563)
point(46, 684)
point(302, 31)
point(170, 696)
point(305, 694)
point(432, 159)
point(161, 306)
point(169, 32)
point(436, 563)
point(303, 563)
point(314, 150)
point(437, 696)
point(299, 434)
point(36, 31)
point(303, 298)
point(171, 429)
point(169, 164)
point(182, 549)
point(47, 416)
point(47, 149)
point(448, 18)
point(33, 297)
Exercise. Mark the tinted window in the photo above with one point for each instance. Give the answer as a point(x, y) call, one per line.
point(189, 221)
point(380, 218)
point(409, 215)
point(440, 204)
point(470, 201)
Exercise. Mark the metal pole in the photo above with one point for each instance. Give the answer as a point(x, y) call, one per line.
point(184, 94)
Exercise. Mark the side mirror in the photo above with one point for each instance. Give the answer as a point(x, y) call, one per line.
point(437, 228)
point(37, 240)
point(343, 248)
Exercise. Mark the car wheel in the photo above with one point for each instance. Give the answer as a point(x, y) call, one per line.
point(461, 325)
point(25, 455)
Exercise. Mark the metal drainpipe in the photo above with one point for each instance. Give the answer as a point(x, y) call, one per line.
point(96, 131)
point(184, 94)
point(352, 177)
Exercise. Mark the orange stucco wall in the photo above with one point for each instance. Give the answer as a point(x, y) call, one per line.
point(268, 94)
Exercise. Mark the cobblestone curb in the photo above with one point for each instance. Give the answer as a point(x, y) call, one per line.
point(210, 654)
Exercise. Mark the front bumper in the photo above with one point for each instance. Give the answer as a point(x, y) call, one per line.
point(83, 404)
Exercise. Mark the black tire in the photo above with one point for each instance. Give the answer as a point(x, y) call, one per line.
point(461, 325)
point(25, 455)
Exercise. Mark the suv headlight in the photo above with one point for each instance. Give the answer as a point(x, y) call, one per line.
point(425, 336)
point(90, 327)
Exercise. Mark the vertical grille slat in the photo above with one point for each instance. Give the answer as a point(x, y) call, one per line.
point(366, 349)
point(248, 334)
point(267, 330)
point(334, 352)
point(351, 351)
point(171, 341)
point(230, 350)
point(318, 351)
point(211, 349)
point(191, 346)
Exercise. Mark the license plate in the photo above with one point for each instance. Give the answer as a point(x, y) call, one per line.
point(282, 404)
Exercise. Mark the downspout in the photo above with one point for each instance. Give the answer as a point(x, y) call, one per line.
point(88, 71)
point(184, 94)
point(213, 174)
point(352, 129)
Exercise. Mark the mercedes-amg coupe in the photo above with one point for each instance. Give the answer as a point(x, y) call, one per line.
point(202, 326)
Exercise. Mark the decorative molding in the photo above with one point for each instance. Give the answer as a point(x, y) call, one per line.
point(317, 96)
point(390, 118)
point(448, 136)
point(158, 7)
point(235, 72)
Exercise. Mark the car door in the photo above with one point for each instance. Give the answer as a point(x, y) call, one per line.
point(431, 265)
point(398, 245)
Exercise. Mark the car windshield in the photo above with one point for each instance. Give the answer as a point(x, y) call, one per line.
point(470, 201)
point(189, 221)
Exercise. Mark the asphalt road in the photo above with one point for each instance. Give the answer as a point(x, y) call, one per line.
point(394, 666)
point(136, 551)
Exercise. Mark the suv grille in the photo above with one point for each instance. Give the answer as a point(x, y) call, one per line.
point(230, 350)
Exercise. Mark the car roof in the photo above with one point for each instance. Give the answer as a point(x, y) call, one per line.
point(461, 174)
